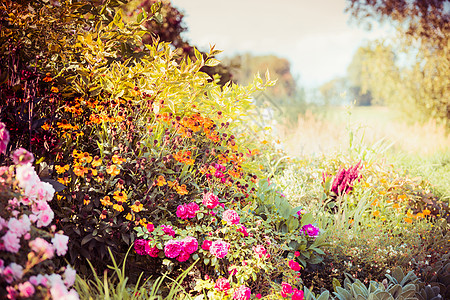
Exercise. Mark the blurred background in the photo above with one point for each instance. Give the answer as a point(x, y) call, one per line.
point(375, 71)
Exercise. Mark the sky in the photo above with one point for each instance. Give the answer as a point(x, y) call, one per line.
point(314, 35)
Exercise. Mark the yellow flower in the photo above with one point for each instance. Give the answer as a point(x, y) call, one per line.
point(161, 180)
point(118, 207)
point(129, 217)
point(86, 157)
point(54, 89)
point(80, 170)
point(181, 190)
point(97, 161)
point(396, 205)
point(65, 180)
point(47, 78)
point(61, 169)
point(117, 160)
point(106, 201)
point(112, 170)
point(46, 126)
point(137, 206)
point(120, 196)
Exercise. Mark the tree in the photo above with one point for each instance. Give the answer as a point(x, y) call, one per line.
point(419, 86)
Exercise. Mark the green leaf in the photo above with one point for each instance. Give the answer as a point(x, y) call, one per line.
point(212, 62)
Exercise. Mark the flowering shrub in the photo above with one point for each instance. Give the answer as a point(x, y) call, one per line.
point(27, 246)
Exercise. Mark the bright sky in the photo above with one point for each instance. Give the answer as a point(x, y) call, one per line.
point(314, 35)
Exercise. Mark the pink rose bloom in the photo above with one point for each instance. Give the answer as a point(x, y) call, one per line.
point(294, 265)
point(172, 248)
point(150, 227)
point(231, 217)
point(168, 230)
point(152, 251)
point(4, 138)
point(21, 156)
point(243, 230)
point(206, 245)
point(183, 256)
point(140, 246)
point(7, 274)
point(190, 244)
point(310, 230)
point(259, 250)
point(286, 289)
point(45, 217)
point(182, 212)
point(298, 295)
point(222, 284)
point(11, 242)
point(218, 174)
point(19, 227)
point(242, 293)
point(219, 248)
point(210, 200)
point(38, 280)
point(39, 245)
point(59, 242)
point(26, 289)
point(69, 276)
point(192, 209)
point(27, 177)
point(17, 270)
point(39, 206)
point(232, 270)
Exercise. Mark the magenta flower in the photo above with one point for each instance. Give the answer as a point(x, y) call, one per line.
point(21, 156)
point(206, 245)
point(182, 212)
point(192, 209)
point(298, 295)
point(243, 230)
point(294, 265)
point(172, 248)
point(310, 230)
point(231, 217)
point(343, 181)
point(139, 246)
point(286, 289)
point(210, 200)
point(259, 250)
point(168, 230)
point(4, 138)
point(190, 244)
point(219, 248)
point(222, 285)
point(242, 293)
point(183, 256)
point(150, 227)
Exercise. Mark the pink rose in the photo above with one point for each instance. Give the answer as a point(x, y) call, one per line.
point(206, 245)
point(183, 256)
point(152, 251)
point(298, 295)
point(242, 293)
point(182, 212)
point(150, 227)
point(231, 217)
point(140, 246)
point(69, 276)
point(192, 209)
point(222, 284)
point(172, 248)
point(59, 242)
point(286, 289)
point(190, 244)
point(4, 138)
point(39, 245)
point(168, 230)
point(243, 230)
point(27, 177)
point(45, 217)
point(11, 242)
point(219, 248)
point(21, 156)
point(294, 265)
point(259, 250)
point(210, 200)
point(26, 289)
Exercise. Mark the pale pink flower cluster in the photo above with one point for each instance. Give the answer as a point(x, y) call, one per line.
point(30, 209)
point(219, 248)
point(259, 250)
point(4, 138)
point(181, 250)
point(210, 200)
point(242, 293)
point(231, 217)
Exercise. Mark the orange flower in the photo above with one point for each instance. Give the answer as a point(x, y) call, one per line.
point(161, 180)
point(76, 153)
point(112, 170)
point(80, 170)
point(117, 160)
point(172, 184)
point(47, 78)
point(61, 169)
point(106, 201)
point(54, 89)
point(86, 201)
point(396, 205)
point(86, 157)
point(130, 217)
point(94, 118)
point(376, 213)
point(420, 215)
point(118, 207)
point(137, 206)
point(426, 212)
point(407, 220)
point(46, 126)
point(65, 180)
point(120, 196)
point(97, 161)
point(181, 190)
